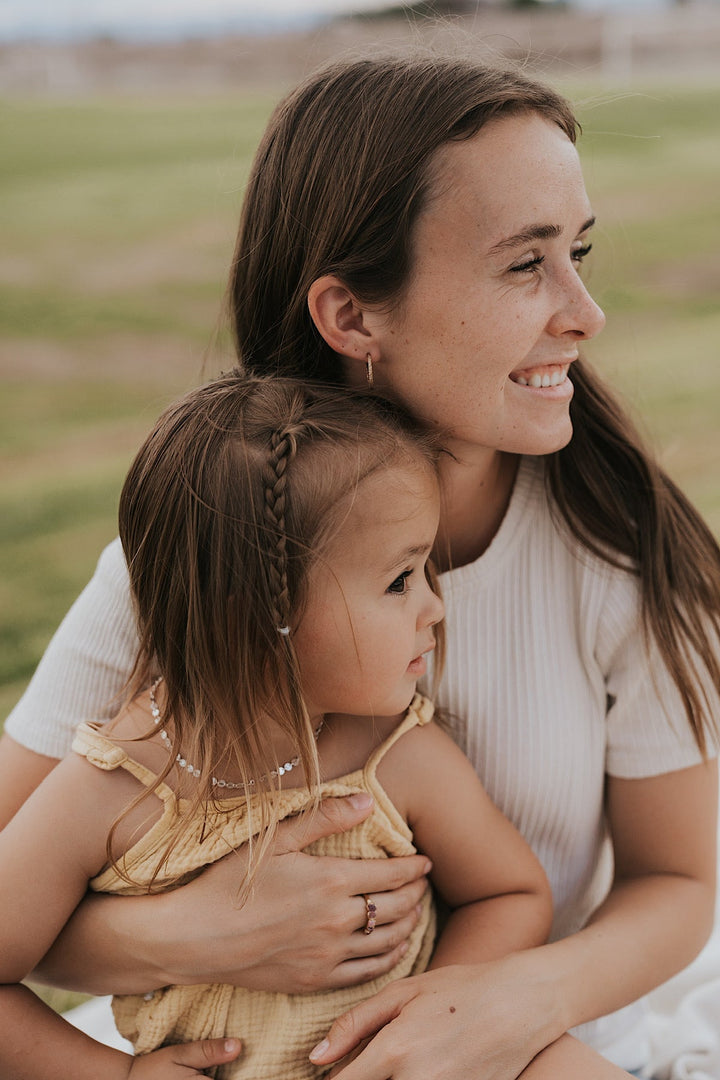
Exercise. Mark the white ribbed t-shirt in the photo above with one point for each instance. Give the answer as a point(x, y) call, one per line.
point(547, 680)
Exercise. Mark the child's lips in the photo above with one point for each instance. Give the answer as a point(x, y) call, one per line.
point(418, 666)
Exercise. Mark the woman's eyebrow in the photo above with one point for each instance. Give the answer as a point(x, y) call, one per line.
point(533, 232)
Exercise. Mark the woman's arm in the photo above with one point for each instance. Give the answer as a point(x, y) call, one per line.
point(660, 910)
point(132, 944)
point(654, 921)
point(21, 771)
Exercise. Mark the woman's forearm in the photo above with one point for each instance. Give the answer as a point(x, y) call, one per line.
point(647, 930)
point(111, 945)
point(660, 910)
point(505, 1013)
point(199, 933)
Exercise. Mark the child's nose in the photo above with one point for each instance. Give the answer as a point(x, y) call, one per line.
point(435, 608)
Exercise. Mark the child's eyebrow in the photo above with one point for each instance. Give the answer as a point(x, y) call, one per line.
point(534, 232)
point(409, 553)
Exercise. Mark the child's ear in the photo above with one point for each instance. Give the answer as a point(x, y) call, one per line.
point(345, 324)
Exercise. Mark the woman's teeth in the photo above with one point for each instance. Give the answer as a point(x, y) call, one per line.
point(536, 380)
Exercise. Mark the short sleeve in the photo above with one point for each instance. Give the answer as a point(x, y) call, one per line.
point(647, 728)
point(85, 665)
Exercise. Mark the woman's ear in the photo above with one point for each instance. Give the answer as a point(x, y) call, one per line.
point(339, 319)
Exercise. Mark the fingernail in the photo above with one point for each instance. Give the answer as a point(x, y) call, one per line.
point(231, 1045)
point(418, 909)
point(361, 800)
point(319, 1050)
point(428, 867)
point(404, 948)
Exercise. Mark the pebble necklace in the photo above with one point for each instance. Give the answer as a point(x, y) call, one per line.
point(240, 785)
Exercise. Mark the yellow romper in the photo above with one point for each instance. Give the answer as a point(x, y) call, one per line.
point(278, 1030)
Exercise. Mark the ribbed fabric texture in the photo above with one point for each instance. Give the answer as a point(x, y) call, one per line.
point(547, 678)
point(278, 1030)
point(85, 666)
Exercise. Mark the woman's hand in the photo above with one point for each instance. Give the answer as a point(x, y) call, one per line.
point(185, 1061)
point(483, 1021)
point(300, 930)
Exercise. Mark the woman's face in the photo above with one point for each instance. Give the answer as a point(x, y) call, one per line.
point(495, 308)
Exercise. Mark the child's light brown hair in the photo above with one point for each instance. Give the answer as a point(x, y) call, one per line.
point(226, 508)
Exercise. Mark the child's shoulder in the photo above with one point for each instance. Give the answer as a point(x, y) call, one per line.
point(133, 731)
point(357, 742)
point(419, 757)
point(416, 739)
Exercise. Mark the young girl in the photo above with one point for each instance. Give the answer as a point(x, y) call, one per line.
point(278, 548)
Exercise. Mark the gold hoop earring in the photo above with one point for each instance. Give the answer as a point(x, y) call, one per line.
point(369, 370)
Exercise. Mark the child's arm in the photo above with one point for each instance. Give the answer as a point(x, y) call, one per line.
point(498, 893)
point(48, 852)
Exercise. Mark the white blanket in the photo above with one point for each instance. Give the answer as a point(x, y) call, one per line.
point(685, 1021)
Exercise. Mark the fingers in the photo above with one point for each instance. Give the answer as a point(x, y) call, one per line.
point(332, 816)
point(363, 1021)
point(391, 907)
point(184, 1060)
point(347, 1059)
point(362, 970)
point(384, 939)
point(386, 875)
point(205, 1053)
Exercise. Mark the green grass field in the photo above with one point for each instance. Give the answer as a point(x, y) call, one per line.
point(118, 221)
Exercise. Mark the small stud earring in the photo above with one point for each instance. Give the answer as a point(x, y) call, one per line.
point(369, 370)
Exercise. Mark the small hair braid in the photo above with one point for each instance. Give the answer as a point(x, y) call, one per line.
point(283, 447)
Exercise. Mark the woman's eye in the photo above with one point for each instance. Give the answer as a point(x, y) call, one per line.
point(399, 585)
point(528, 265)
point(580, 253)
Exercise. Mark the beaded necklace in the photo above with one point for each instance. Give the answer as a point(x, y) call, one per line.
point(184, 764)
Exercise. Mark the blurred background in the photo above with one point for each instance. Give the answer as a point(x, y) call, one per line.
point(127, 131)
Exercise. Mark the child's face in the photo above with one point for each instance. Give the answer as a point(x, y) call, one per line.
point(369, 619)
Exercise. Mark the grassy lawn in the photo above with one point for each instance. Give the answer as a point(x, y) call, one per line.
point(118, 221)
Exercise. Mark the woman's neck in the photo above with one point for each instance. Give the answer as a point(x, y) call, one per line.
point(475, 496)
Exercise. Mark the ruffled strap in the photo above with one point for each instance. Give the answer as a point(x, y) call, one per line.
point(420, 712)
point(104, 754)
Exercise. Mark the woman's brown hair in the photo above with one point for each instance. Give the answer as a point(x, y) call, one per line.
point(343, 170)
point(228, 505)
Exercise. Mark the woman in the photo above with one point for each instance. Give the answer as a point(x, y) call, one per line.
point(419, 224)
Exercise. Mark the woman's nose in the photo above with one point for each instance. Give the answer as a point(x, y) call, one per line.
point(577, 313)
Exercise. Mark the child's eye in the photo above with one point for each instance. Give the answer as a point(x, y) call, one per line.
point(580, 253)
point(528, 266)
point(399, 585)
